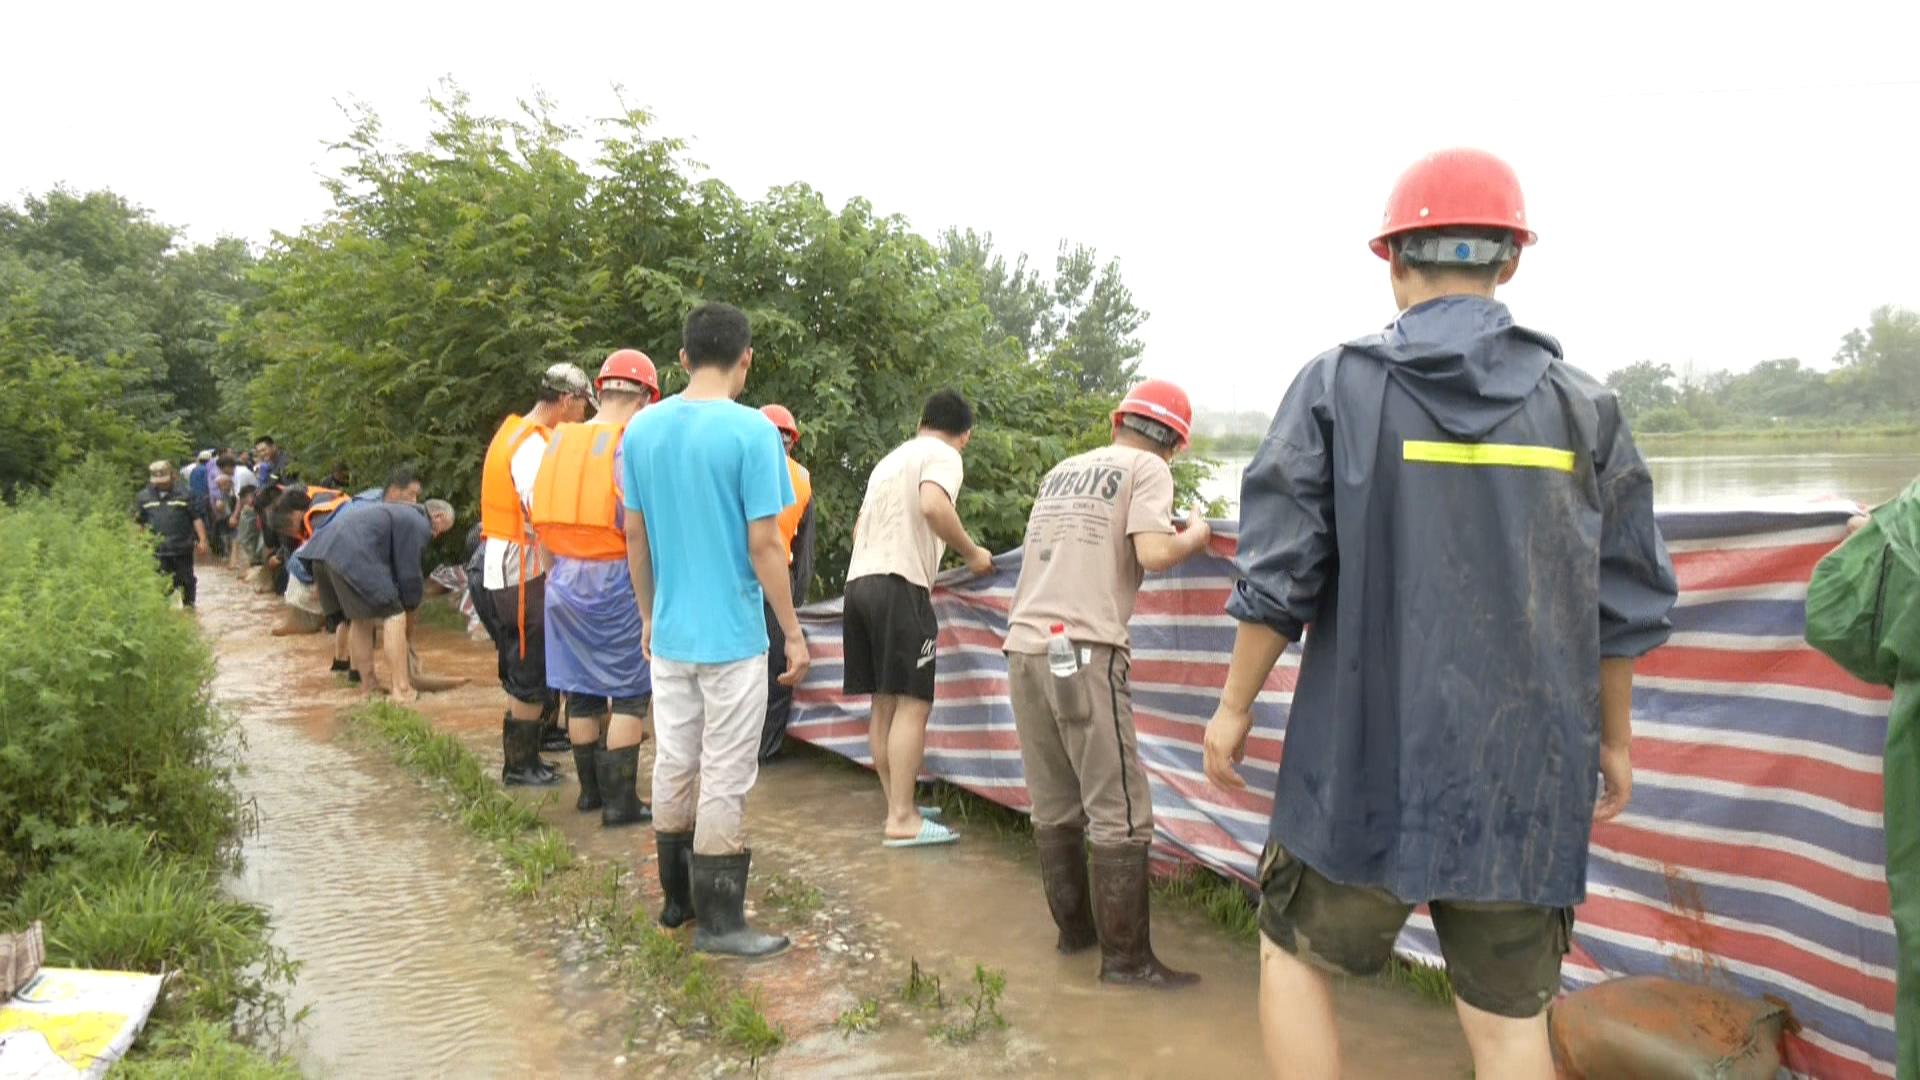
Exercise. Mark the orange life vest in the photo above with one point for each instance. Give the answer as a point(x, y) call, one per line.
point(501, 515)
point(325, 501)
point(789, 519)
point(576, 510)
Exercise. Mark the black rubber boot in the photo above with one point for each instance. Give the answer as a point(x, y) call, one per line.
point(553, 732)
point(1063, 876)
point(720, 904)
point(342, 665)
point(520, 746)
point(619, 774)
point(1120, 909)
point(583, 764)
point(675, 850)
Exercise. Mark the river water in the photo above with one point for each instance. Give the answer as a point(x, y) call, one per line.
point(1706, 472)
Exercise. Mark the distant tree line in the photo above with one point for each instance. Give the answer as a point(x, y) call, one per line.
point(418, 311)
point(110, 335)
point(1874, 381)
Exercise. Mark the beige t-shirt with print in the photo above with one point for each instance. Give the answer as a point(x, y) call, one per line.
point(1079, 568)
point(891, 535)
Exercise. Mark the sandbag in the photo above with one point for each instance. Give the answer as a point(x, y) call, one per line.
point(1649, 1028)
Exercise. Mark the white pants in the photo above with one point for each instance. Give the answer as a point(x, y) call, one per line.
point(707, 720)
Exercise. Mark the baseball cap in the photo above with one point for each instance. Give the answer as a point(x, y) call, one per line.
point(569, 379)
point(159, 470)
point(206, 455)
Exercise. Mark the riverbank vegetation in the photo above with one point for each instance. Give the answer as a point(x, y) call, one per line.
point(418, 311)
point(1872, 388)
point(119, 820)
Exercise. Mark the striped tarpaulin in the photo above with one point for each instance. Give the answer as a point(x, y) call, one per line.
point(1751, 857)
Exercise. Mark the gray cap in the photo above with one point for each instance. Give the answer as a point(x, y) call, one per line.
point(569, 379)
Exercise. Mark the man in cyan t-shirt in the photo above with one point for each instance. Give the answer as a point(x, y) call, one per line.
point(704, 480)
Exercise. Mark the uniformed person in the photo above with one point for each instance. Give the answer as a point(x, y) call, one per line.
point(178, 518)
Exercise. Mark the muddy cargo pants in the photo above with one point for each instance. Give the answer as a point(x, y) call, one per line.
point(706, 724)
point(1082, 774)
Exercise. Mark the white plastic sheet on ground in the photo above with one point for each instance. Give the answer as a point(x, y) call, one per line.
point(68, 1024)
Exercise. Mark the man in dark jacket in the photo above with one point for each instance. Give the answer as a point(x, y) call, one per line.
point(1465, 524)
point(366, 568)
point(178, 518)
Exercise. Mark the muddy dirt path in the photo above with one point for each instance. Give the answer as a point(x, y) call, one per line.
point(409, 965)
point(813, 819)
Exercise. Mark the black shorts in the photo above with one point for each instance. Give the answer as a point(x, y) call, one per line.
point(593, 706)
point(1501, 958)
point(890, 635)
point(523, 672)
point(339, 598)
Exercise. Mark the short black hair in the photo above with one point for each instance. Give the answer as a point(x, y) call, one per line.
point(948, 413)
point(402, 476)
point(268, 439)
point(715, 336)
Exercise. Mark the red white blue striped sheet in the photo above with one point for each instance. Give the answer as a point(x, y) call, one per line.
point(1751, 858)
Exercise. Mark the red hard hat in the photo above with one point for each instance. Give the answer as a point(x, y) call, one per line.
point(633, 366)
point(1455, 187)
point(1159, 400)
point(783, 420)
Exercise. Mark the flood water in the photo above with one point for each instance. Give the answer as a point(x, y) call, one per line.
point(415, 964)
point(1706, 472)
point(410, 966)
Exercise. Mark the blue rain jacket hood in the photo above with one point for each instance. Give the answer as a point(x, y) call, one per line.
point(1460, 524)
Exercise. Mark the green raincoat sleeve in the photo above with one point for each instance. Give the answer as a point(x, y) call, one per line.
point(1863, 610)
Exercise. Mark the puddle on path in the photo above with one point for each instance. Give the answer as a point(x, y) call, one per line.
point(414, 967)
point(411, 966)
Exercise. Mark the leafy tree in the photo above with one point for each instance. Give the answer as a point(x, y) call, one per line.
point(110, 333)
point(1643, 387)
point(1083, 325)
point(420, 310)
point(1776, 389)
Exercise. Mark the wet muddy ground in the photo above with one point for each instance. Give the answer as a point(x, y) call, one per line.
point(416, 963)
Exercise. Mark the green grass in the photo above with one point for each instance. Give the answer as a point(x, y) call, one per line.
point(859, 1019)
point(1841, 433)
point(983, 1009)
point(922, 988)
point(656, 964)
point(794, 897)
point(119, 818)
point(443, 613)
point(533, 852)
point(200, 1050)
point(652, 963)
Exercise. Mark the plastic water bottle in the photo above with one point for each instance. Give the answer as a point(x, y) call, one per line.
point(1060, 655)
point(1069, 695)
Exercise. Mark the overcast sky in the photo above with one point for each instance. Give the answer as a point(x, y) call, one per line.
point(1713, 183)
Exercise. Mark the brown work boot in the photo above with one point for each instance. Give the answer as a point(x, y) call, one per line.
point(1063, 876)
point(1120, 909)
